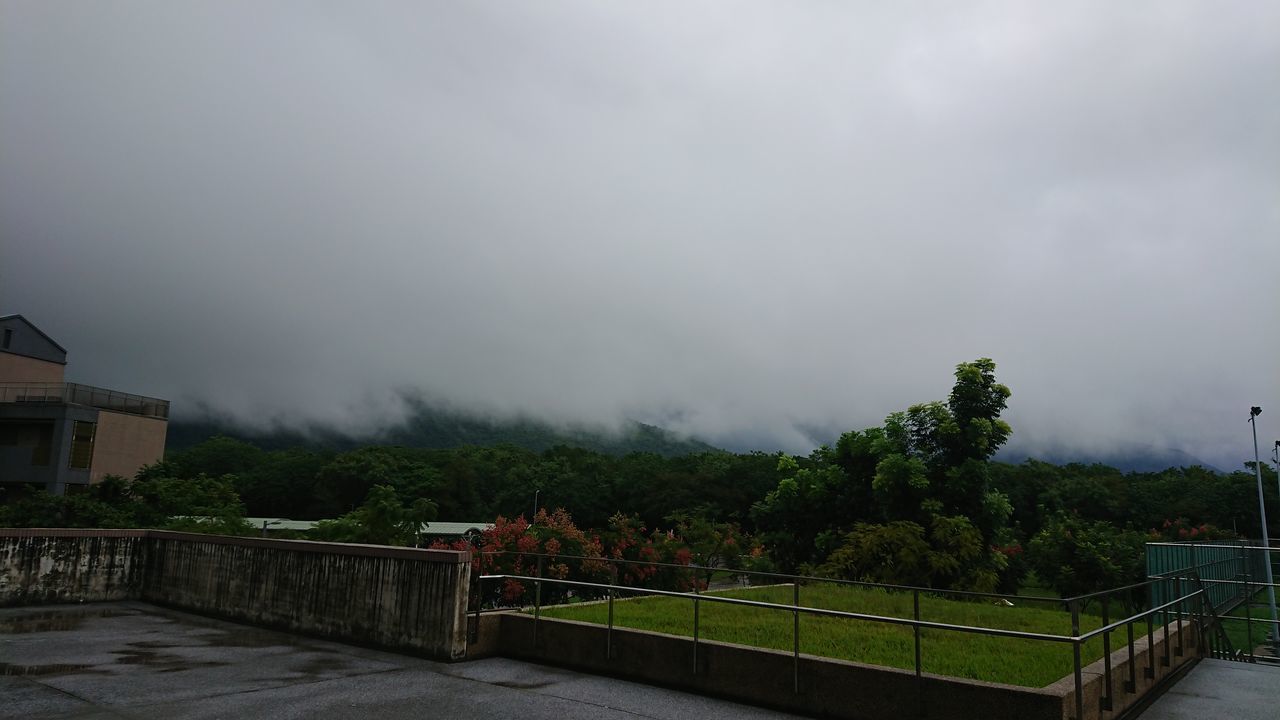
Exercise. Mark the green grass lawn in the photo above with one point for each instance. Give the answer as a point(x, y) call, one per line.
point(1009, 660)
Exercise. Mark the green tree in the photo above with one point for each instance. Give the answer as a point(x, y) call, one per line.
point(952, 555)
point(381, 520)
point(1076, 556)
point(344, 483)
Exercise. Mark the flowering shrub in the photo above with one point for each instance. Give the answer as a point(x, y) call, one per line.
point(625, 553)
point(1183, 529)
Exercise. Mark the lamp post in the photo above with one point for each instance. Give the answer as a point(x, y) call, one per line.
point(1254, 412)
point(535, 505)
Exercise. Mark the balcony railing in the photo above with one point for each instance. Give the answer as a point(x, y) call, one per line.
point(77, 394)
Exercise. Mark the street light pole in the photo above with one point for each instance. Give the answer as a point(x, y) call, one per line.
point(1254, 412)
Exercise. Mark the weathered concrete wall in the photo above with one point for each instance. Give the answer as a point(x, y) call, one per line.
point(56, 566)
point(827, 687)
point(398, 598)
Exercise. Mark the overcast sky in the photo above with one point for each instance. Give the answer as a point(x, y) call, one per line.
point(729, 218)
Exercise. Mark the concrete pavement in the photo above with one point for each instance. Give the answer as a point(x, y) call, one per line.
point(1221, 689)
point(132, 660)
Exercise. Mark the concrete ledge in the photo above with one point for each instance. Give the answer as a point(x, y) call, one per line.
point(357, 549)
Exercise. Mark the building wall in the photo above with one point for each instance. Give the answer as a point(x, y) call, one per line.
point(15, 462)
point(124, 443)
point(20, 368)
point(18, 335)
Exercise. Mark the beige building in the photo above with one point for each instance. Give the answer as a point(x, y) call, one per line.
point(65, 436)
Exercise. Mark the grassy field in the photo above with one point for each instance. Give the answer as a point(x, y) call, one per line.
point(1019, 662)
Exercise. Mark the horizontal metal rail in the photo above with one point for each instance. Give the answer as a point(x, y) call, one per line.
point(1112, 627)
point(784, 576)
point(889, 619)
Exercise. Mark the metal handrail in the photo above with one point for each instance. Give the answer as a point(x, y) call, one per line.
point(1077, 639)
point(785, 576)
point(926, 624)
point(1121, 623)
point(80, 394)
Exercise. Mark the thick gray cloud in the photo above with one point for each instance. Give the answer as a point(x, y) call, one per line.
point(727, 217)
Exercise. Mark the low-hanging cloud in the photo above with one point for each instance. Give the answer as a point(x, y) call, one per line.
point(734, 219)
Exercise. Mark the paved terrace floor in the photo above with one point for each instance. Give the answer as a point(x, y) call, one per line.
point(132, 660)
point(1221, 689)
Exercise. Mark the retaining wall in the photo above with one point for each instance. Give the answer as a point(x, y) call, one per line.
point(396, 598)
point(827, 687)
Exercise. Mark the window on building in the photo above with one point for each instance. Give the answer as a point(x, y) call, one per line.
point(38, 436)
point(8, 338)
point(81, 444)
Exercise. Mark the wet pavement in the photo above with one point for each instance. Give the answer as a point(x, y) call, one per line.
point(133, 660)
point(1221, 689)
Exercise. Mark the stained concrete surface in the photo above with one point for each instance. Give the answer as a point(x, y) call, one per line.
point(1221, 689)
point(133, 660)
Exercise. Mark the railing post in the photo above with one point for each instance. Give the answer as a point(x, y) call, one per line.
point(795, 661)
point(1164, 622)
point(1151, 646)
point(695, 628)
point(1248, 609)
point(608, 638)
point(1131, 685)
point(1075, 652)
point(537, 604)
point(915, 613)
point(1105, 701)
point(478, 587)
point(1202, 615)
point(1177, 610)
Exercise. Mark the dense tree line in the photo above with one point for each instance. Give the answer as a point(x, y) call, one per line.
point(916, 500)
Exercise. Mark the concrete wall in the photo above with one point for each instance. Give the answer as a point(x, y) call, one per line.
point(400, 598)
point(124, 443)
point(396, 598)
point(71, 566)
point(21, 368)
point(827, 687)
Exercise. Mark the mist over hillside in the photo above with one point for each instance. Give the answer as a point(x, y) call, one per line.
point(433, 427)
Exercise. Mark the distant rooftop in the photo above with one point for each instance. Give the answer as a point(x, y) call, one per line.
point(77, 394)
point(431, 528)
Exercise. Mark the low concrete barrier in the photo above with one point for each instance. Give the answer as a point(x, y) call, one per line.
point(396, 598)
point(827, 687)
point(59, 566)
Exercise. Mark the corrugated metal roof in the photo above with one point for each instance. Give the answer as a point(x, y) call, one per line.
point(454, 528)
point(431, 528)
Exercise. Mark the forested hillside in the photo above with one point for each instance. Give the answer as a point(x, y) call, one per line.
point(916, 500)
